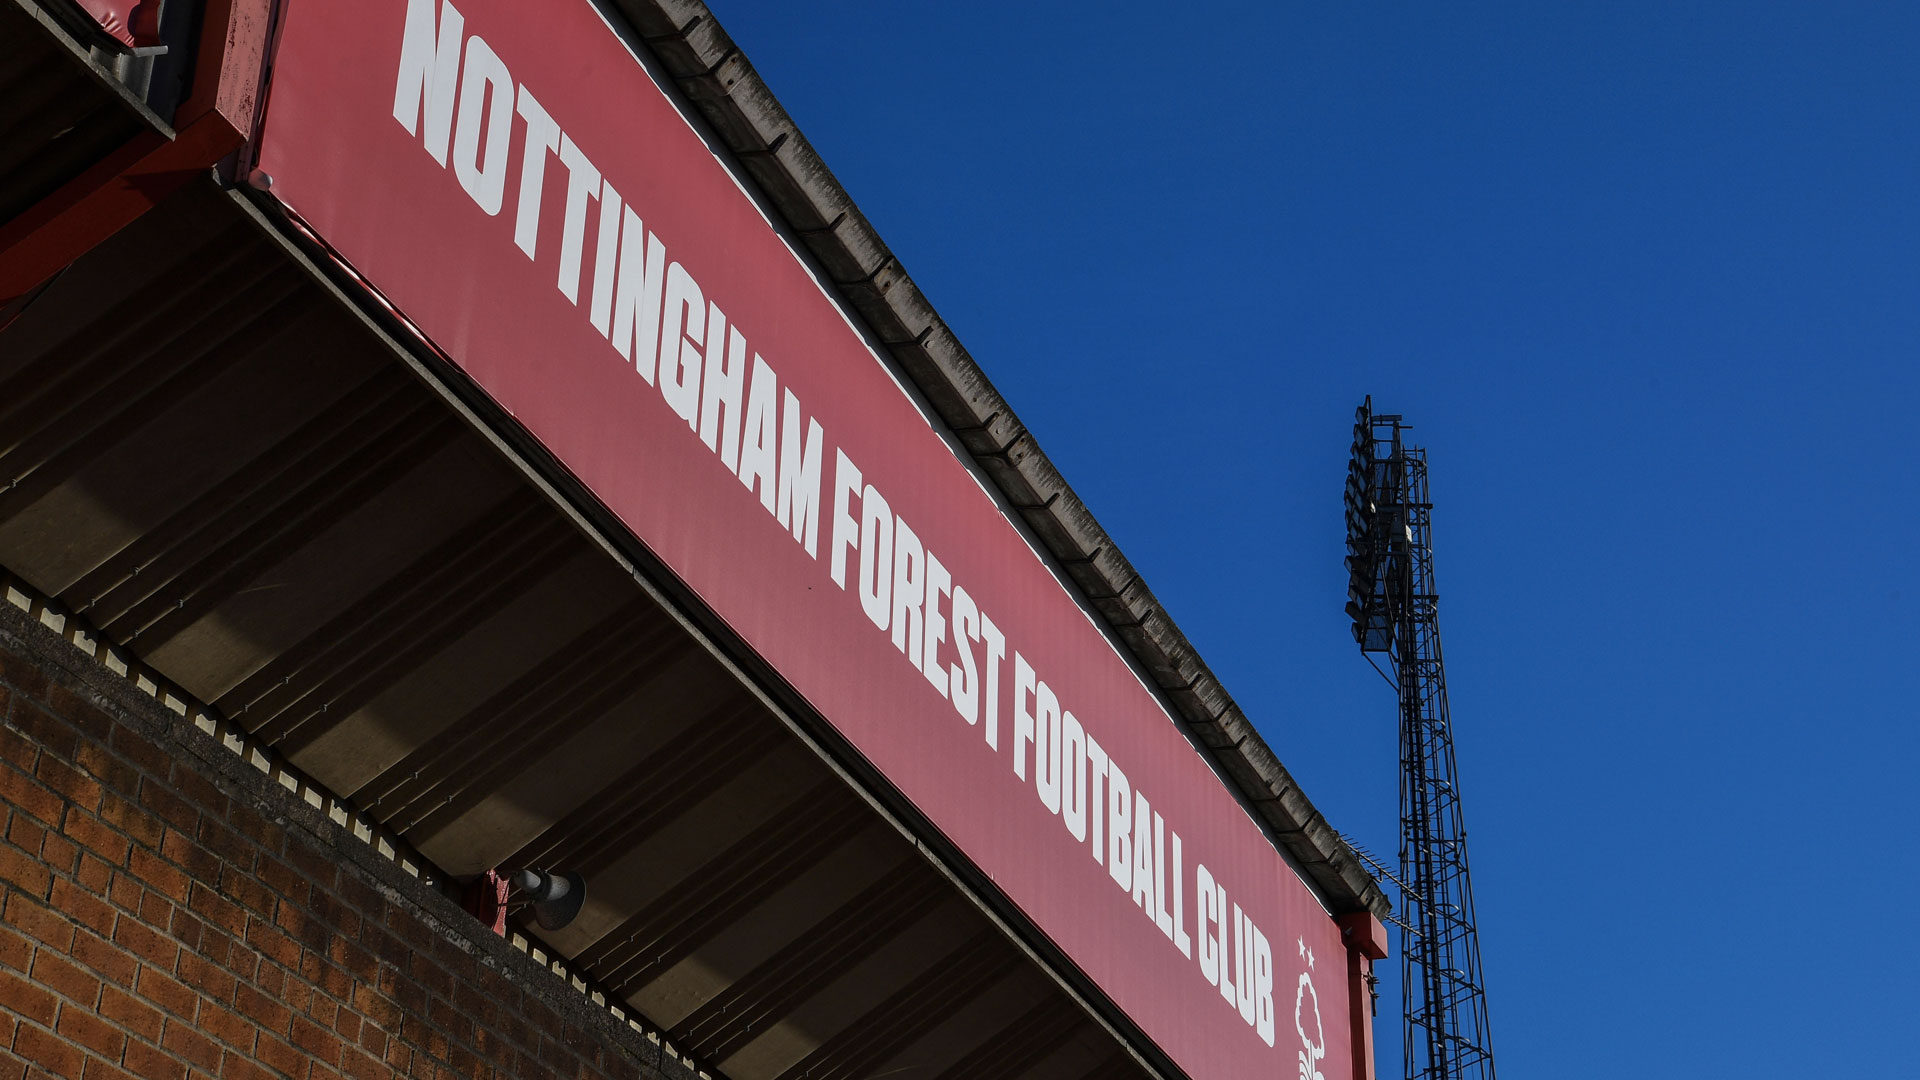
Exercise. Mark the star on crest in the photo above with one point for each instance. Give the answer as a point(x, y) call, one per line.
point(1305, 953)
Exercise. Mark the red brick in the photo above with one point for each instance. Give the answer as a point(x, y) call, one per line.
point(311, 932)
point(226, 918)
point(15, 950)
point(48, 1050)
point(158, 874)
point(439, 1046)
point(198, 789)
point(462, 1063)
point(43, 727)
point(14, 746)
point(100, 1070)
point(23, 792)
point(153, 1063)
point(282, 881)
point(265, 1011)
point(182, 923)
point(167, 992)
point(232, 955)
point(97, 837)
point(270, 980)
point(82, 906)
point(374, 1039)
point(474, 1002)
point(23, 998)
point(274, 945)
point(361, 1065)
point(248, 891)
point(38, 922)
point(140, 751)
point(275, 1053)
point(66, 978)
point(25, 872)
point(92, 1032)
point(199, 863)
point(141, 940)
point(316, 863)
point(93, 873)
point(59, 853)
point(363, 897)
point(22, 674)
point(114, 964)
point(406, 993)
point(94, 759)
point(297, 994)
point(215, 947)
point(197, 972)
point(431, 975)
point(125, 889)
point(154, 910)
point(165, 805)
point(25, 833)
point(253, 825)
point(345, 922)
point(324, 1045)
point(229, 1027)
point(130, 818)
point(444, 1017)
point(206, 901)
point(83, 715)
point(237, 1067)
point(191, 1046)
point(375, 1006)
point(131, 1013)
point(69, 782)
point(330, 979)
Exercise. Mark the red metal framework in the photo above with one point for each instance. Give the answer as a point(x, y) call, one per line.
point(214, 121)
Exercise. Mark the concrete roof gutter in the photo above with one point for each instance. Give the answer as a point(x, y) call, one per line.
point(717, 78)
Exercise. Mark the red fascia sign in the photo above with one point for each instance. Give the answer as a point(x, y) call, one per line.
point(513, 180)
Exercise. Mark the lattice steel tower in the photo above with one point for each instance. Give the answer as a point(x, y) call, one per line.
point(1395, 605)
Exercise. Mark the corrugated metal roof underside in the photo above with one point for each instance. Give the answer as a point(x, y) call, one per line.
point(216, 465)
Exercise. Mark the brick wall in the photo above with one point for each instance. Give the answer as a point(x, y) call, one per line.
point(168, 911)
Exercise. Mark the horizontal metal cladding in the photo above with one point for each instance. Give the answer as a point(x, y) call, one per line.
point(527, 196)
point(719, 80)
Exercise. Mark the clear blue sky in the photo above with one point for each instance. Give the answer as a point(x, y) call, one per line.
point(1646, 278)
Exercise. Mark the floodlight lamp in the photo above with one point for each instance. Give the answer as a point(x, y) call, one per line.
point(556, 897)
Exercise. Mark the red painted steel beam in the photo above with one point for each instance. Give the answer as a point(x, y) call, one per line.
point(130, 22)
point(211, 124)
point(1366, 940)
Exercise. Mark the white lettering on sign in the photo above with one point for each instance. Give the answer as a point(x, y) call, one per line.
point(457, 97)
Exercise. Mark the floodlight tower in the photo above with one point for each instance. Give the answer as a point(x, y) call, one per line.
point(1394, 605)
